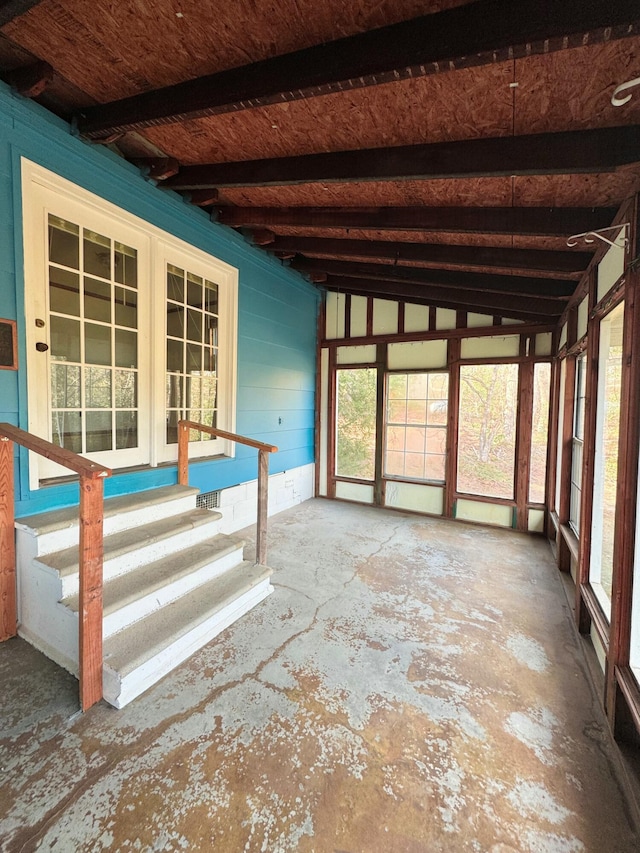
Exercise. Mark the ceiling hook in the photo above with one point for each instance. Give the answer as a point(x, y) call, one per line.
point(630, 84)
point(591, 236)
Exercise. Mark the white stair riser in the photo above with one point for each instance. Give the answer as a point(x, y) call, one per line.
point(119, 691)
point(145, 553)
point(148, 604)
point(58, 540)
point(47, 625)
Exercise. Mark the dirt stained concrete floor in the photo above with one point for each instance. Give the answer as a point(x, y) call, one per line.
point(412, 686)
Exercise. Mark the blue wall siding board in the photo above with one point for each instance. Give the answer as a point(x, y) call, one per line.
point(277, 309)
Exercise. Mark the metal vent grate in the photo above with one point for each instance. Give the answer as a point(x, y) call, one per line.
point(208, 500)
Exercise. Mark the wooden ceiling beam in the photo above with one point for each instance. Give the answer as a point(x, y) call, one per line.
point(519, 309)
point(475, 34)
point(565, 153)
point(564, 264)
point(10, 9)
point(536, 288)
point(530, 221)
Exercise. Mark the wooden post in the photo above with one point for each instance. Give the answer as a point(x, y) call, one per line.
point(90, 615)
point(263, 501)
point(563, 554)
point(451, 469)
point(8, 617)
point(381, 366)
point(523, 443)
point(183, 454)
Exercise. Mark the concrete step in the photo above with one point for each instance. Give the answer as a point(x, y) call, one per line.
point(140, 655)
point(138, 593)
point(134, 547)
point(58, 529)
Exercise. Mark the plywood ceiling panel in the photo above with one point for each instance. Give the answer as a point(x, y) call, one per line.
point(116, 49)
point(537, 190)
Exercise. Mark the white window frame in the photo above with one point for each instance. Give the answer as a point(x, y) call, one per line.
point(163, 248)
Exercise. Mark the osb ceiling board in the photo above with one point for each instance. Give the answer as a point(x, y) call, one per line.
point(464, 104)
point(116, 49)
point(602, 189)
point(571, 90)
point(451, 239)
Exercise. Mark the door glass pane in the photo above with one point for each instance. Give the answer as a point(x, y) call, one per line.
point(97, 300)
point(126, 348)
point(126, 260)
point(356, 423)
point(98, 436)
point(84, 329)
point(97, 386)
point(605, 476)
point(64, 291)
point(64, 243)
point(65, 386)
point(97, 344)
point(487, 429)
point(65, 339)
point(66, 429)
point(192, 330)
point(97, 254)
point(126, 430)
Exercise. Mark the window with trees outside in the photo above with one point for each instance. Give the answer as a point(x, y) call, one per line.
point(539, 432)
point(487, 429)
point(605, 475)
point(577, 443)
point(356, 422)
point(416, 426)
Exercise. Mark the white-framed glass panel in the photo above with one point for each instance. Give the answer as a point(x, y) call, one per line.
point(356, 396)
point(605, 476)
point(97, 320)
point(577, 444)
point(487, 429)
point(416, 426)
point(539, 432)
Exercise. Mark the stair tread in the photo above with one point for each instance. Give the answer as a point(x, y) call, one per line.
point(146, 579)
point(58, 519)
point(126, 541)
point(127, 650)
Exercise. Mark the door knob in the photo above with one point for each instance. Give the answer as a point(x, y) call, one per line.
point(41, 346)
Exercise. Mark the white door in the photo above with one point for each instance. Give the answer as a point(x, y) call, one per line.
point(87, 312)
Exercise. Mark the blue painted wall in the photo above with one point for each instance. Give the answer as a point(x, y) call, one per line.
point(276, 312)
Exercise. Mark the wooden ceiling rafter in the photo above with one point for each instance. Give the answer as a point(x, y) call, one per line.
point(565, 153)
point(530, 221)
point(505, 306)
point(534, 288)
point(563, 264)
point(10, 9)
point(472, 35)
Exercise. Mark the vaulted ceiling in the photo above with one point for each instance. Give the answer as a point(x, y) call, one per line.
point(435, 151)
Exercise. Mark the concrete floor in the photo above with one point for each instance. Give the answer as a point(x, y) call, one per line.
point(413, 686)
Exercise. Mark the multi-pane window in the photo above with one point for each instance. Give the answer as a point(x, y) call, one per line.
point(577, 444)
point(191, 352)
point(416, 426)
point(93, 305)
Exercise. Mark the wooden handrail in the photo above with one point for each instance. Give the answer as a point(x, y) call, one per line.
point(263, 473)
point(90, 551)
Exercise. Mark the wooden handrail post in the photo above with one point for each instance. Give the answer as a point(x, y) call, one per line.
point(90, 615)
point(263, 501)
point(183, 454)
point(8, 613)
